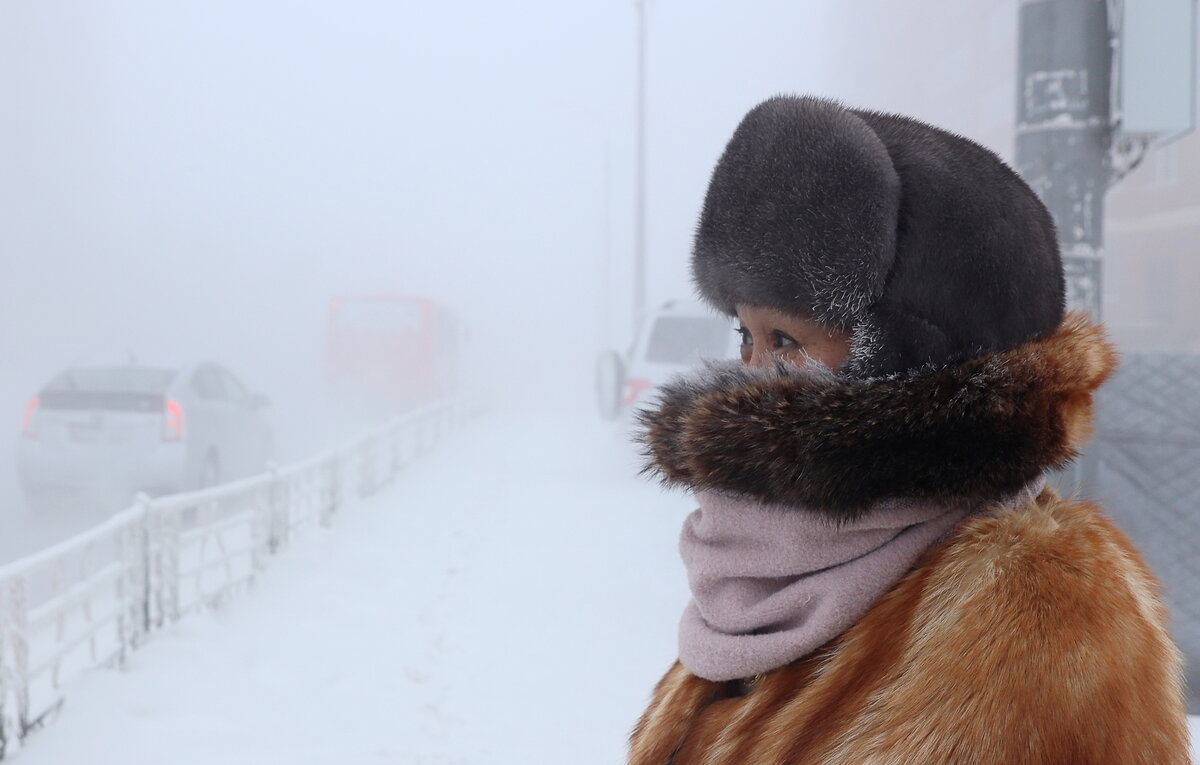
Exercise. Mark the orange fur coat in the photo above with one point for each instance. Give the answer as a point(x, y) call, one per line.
point(1029, 635)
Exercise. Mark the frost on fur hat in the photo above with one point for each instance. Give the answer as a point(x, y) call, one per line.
point(925, 245)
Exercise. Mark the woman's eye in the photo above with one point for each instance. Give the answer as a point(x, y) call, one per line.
point(744, 334)
point(781, 341)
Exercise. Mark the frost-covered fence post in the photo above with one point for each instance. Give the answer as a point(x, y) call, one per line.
point(393, 437)
point(14, 665)
point(260, 524)
point(407, 437)
point(152, 605)
point(60, 618)
point(277, 522)
point(429, 426)
point(8, 724)
point(421, 426)
point(366, 467)
point(4, 705)
point(144, 576)
point(171, 579)
point(333, 487)
point(285, 504)
point(129, 556)
point(434, 422)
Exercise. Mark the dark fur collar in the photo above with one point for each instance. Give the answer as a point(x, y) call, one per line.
point(970, 432)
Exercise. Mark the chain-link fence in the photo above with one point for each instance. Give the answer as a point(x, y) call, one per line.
point(1147, 457)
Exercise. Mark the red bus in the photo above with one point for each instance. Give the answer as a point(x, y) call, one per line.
point(391, 351)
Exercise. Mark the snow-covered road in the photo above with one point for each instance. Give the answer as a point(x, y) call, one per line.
point(511, 599)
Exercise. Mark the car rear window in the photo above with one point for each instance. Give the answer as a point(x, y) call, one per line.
point(138, 389)
point(686, 339)
point(142, 380)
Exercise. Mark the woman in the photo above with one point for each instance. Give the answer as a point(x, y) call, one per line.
point(880, 572)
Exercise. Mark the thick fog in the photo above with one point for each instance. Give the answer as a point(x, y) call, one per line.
point(225, 182)
point(182, 182)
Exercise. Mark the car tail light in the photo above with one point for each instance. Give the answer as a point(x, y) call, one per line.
point(27, 429)
point(172, 421)
point(634, 389)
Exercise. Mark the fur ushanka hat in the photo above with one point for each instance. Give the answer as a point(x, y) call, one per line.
point(925, 245)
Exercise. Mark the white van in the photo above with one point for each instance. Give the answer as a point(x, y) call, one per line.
point(670, 340)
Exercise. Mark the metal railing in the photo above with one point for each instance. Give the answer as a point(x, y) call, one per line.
point(92, 599)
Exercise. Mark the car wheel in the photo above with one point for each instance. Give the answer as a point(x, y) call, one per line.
point(610, 376)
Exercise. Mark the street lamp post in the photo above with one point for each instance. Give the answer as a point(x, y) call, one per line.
point(639, 221)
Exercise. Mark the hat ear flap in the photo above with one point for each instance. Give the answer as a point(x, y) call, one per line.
point(800, 214)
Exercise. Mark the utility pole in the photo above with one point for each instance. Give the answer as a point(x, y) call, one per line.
point(1064, 137)
point(639, 221)
point(1064, 130)
point(606, 251)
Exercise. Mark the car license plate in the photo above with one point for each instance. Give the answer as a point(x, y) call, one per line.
point(86, 431)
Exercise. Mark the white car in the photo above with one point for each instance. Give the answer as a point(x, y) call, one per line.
point(136, 428)
point(670, 340)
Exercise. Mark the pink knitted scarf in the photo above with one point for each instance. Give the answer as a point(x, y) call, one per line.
point(772, 583)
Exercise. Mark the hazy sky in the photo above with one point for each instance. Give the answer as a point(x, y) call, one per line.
point(183, 182)
point(197, 179)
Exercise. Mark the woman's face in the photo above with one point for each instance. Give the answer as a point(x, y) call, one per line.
point(768, 333)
